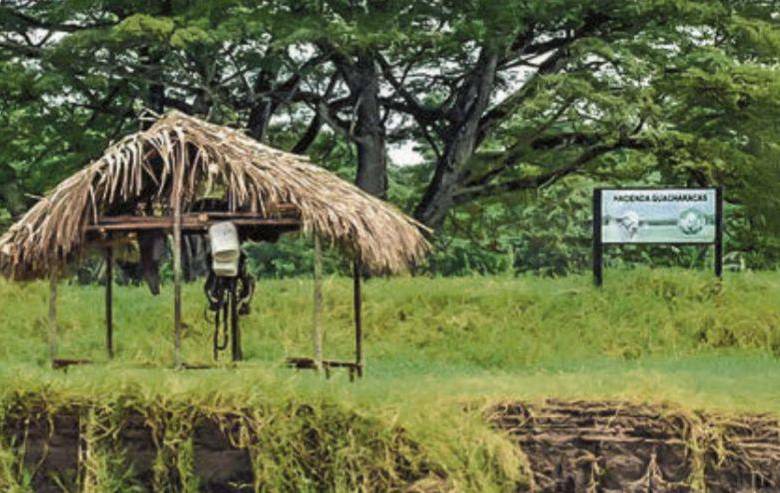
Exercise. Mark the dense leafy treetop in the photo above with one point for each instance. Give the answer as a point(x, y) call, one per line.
point(499, 98)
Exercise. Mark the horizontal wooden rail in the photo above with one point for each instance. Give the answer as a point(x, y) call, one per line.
point(192, 221)
point(310, 364)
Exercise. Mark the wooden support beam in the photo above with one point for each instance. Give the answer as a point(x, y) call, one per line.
point(53, 329)
point(177, 276)
point(110, 302)
point(284, 210)
point(358, 306)
point(189, 222)
point(317, 313)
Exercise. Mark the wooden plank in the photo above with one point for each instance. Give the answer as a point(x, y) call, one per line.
point(266, 222)
point(270, 214)
point(188, 223)
point(63, 364)
point(129, 218)
point(192, 216)
point(304, 363)
point(195, 366)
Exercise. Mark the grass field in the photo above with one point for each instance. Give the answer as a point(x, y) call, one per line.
point(497, 334)
point(434, 347)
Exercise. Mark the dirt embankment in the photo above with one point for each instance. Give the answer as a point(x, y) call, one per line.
point(76, 449)
point(569, 447)
point(618, 447)
point(53, 449)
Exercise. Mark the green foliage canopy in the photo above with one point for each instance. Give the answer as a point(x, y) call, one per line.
point(500, 99)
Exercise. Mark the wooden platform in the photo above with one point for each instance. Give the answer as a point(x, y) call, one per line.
point(310, 364)
point(64, 364)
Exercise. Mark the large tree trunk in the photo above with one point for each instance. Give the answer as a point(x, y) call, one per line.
point(260, 114)
point(270, 94)
point(362, 78)
point(460, 142)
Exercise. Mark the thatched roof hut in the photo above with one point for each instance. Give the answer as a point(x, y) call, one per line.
point(182, 158)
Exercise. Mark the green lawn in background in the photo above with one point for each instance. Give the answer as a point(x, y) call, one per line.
point(658, 335)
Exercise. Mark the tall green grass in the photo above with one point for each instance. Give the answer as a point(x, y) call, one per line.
point(678, 330)
point(438, 352)
point(420, 324)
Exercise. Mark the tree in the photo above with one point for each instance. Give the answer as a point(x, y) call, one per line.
point(500, 97)
point(543, 90)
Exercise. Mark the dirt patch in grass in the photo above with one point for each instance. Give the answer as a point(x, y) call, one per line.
point(621, 447)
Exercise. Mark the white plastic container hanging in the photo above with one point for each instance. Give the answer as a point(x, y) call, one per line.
point(225, 249)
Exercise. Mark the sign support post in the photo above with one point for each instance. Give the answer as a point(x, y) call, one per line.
point(719, 232)
point(657, 216)
point(598, 247)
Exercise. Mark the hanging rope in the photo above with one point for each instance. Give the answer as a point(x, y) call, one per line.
point(228, 297)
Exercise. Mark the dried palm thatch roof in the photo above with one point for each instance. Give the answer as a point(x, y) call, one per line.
point(182, 158)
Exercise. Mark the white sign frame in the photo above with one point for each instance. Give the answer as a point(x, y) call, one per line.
point(682, 221)
point(659, 216)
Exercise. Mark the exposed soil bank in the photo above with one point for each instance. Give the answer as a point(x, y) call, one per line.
point(302, 449)
point(618, 447)
point(54, 450)
point(569, 446)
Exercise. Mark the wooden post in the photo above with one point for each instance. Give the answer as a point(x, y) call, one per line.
point(53, 330)
point(358, 302)
point(235, 329)
point(598, 247)
point(317, 314)
point(719, 232)
point(109, 301)
point(176, 199)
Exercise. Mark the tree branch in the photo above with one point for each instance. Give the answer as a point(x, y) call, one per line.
point(32, 22)
point(468, 194)
point(553, 63)
point(421, 113)
point(514, 153)
point(316, 123)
